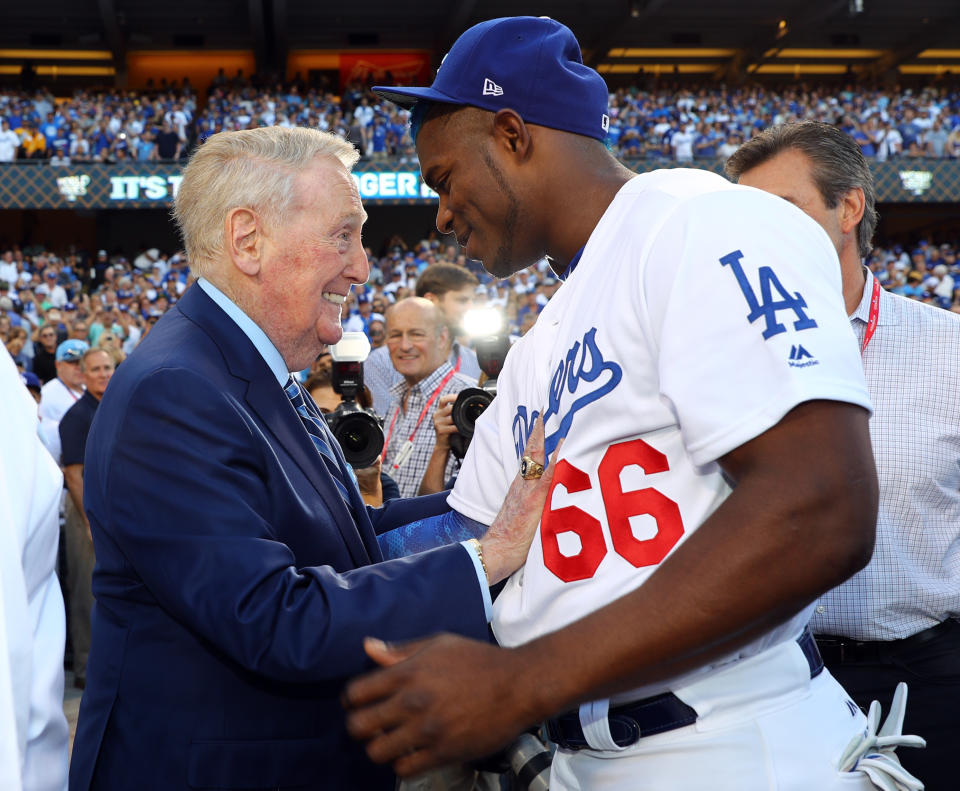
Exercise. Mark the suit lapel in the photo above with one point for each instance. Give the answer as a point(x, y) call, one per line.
point(266, 398)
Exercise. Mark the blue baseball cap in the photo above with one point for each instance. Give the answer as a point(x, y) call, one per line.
point(31, 380)
point(71, 351)
point(532, 65)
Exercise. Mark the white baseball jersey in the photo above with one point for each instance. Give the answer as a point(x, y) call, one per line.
point(699, 314)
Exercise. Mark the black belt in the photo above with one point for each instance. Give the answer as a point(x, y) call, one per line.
point(843, 650)
point(657, 714)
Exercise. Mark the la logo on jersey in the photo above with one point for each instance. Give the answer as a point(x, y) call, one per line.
point(767, 307)
point(490, 88)
point(583, 363)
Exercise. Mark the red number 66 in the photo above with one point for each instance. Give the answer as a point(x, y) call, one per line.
point(619, 507)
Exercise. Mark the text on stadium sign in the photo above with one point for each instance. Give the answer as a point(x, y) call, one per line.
point(393, 184)
point(144, 187)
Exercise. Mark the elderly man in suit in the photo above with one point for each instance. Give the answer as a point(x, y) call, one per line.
point(237, 566)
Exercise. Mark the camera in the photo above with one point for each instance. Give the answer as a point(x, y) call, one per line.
point(359, 431)
point(491, 346)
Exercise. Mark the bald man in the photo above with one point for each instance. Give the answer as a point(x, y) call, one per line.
point(419, 343)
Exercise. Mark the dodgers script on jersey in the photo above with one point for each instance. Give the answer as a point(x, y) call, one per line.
point(675, 340)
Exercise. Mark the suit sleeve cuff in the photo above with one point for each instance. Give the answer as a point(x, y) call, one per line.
point(481, 578)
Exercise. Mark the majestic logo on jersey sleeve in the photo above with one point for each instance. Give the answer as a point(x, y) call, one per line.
point(583, 364)
point(801, 358)
point(767, 306)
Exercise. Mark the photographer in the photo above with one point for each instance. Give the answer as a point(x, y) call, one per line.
point(435, 478)
point(419, 342)
point(375, 485)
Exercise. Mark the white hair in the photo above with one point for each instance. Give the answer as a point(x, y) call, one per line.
point(253, 169)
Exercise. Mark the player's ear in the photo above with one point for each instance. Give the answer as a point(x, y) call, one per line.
point(853, 204)
point(243, 239)
point(510, 132)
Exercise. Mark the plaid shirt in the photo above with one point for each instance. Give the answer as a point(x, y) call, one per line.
point(913, 580)
point(380, 376)
point(404, 422)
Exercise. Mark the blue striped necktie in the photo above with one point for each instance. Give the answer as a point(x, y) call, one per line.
point(317, 429)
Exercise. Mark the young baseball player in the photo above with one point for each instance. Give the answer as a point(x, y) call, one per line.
point(716, 472)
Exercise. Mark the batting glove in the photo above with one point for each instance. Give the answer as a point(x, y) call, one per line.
point(873, 751)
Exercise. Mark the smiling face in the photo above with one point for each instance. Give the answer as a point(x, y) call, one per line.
point(310, 262)
point(477, 203)
point(417, 338)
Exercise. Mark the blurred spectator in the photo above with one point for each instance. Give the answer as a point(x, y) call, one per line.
point(9, 142)
point(109, 342)
point(16, 340)
point(44, 355)
point(33, 142)
point(61, 393)
point(169, 143)
point(96, 368)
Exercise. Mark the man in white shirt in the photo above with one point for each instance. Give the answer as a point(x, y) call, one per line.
point(8, 269)
point(896, 620)
point(9, 142)
point(61, 393)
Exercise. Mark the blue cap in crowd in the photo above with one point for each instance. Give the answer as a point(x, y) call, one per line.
point(529, 64)
point(71, 351)
point(31, 380)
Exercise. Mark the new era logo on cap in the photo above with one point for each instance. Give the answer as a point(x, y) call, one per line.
point(538, 58)
point(490, 88)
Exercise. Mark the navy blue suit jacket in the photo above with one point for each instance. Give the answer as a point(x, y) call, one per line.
point(233, 587)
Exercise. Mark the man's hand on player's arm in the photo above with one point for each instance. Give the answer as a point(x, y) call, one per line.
point(443, 427)
point(507, 540)
point(800, 520)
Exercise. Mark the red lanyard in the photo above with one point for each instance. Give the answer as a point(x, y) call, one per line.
point(423, 414)
point(874, 316)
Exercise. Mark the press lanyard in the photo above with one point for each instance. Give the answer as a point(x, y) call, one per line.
point(68, 389)
point(874, 316)
point(407, 447)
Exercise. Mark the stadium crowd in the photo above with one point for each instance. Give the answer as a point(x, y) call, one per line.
point(679, 123)
point(113, 301)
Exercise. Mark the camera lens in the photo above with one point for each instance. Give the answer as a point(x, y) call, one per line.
point(359, 434)
point(467, 408)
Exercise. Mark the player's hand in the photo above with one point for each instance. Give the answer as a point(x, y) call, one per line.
point(443, 425)
point(507, 540)
point(439, 701)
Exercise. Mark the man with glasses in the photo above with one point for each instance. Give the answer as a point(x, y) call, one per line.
point(44, 356)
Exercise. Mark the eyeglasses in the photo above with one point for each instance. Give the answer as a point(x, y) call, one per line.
point(48, 335)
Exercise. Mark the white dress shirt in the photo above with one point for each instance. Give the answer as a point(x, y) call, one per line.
point(912, 583)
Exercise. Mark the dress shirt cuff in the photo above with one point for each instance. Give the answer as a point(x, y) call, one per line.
point(481, 578)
